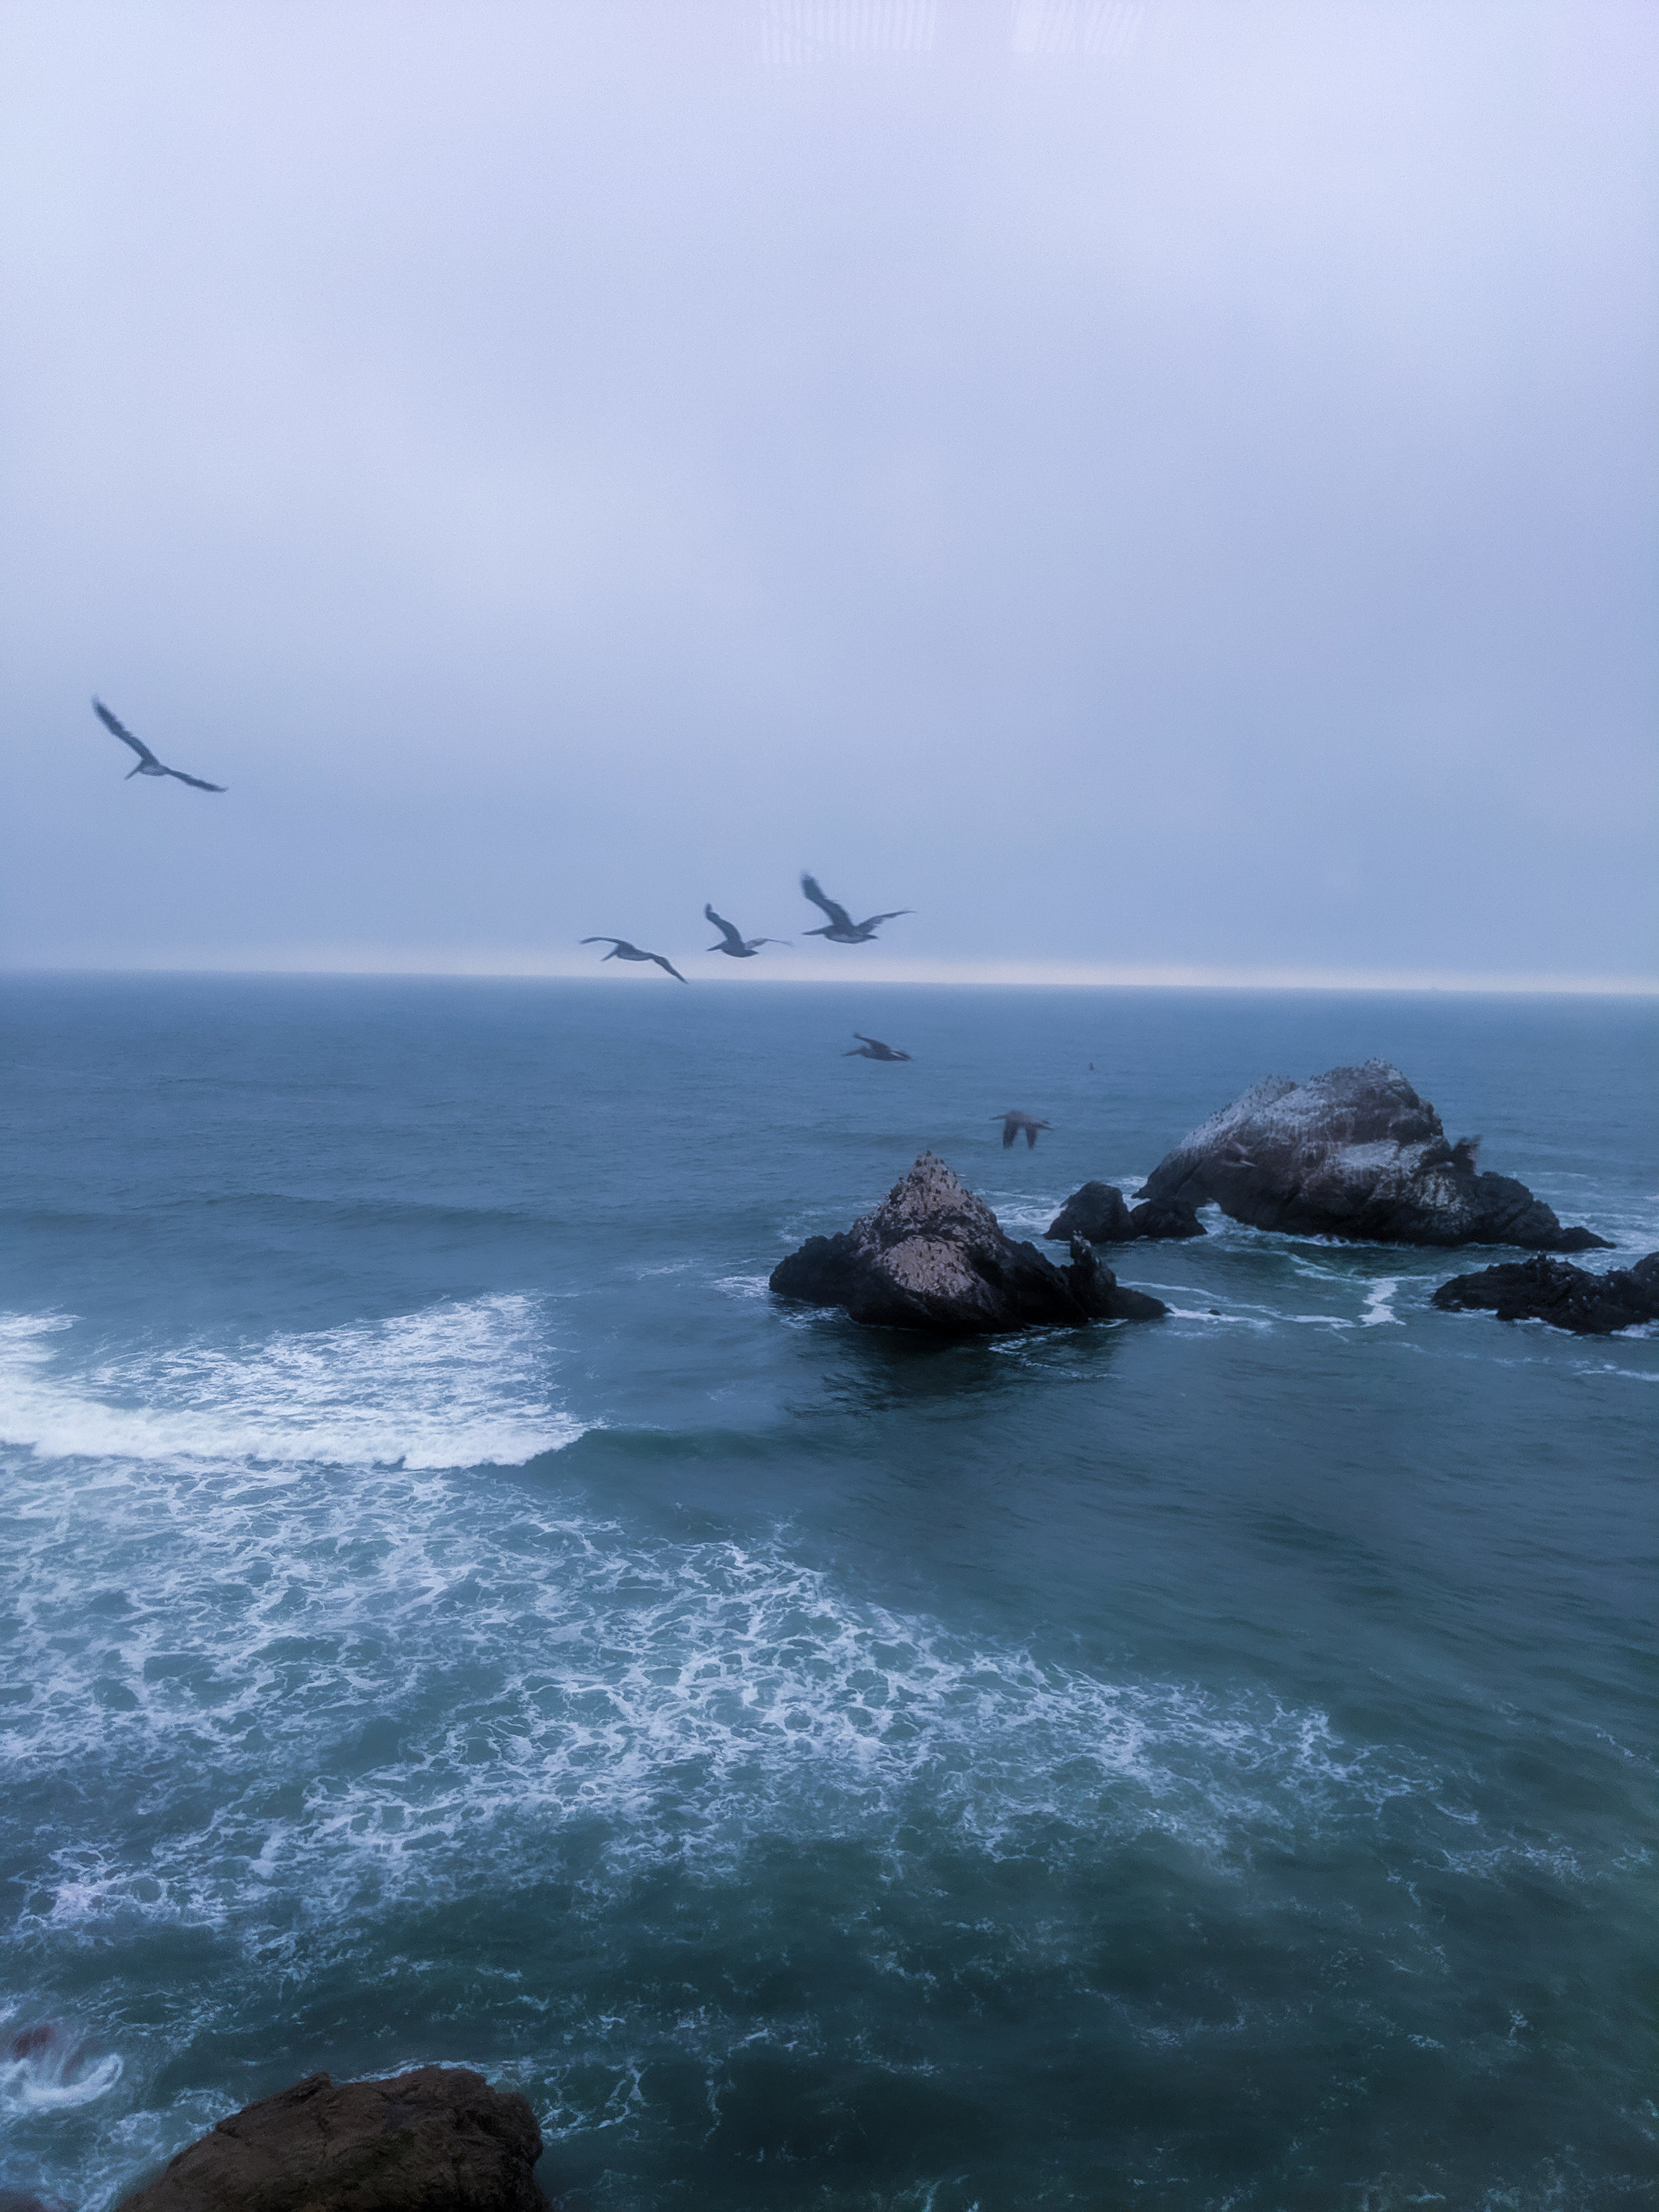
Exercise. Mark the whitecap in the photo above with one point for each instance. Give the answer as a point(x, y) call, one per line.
point(44, 2070)
point(454, 1385)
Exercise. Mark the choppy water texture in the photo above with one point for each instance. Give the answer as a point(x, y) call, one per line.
point(450, 1612)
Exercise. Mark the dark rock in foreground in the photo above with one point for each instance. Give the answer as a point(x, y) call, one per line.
point(1564, 1296)
point(1356, 1153)
point(1098, 1214)
point(438, 2140)
point(932, 1256)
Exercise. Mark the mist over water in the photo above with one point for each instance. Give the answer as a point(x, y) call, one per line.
point(452, 1612)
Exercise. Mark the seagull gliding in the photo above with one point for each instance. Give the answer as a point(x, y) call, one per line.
point(624, 951)
point(842, 929)
point(148, 763)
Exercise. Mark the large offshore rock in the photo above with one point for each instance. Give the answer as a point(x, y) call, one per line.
point(1354, 1153)
point(932, 1256)
point(438, 2140)
point(1097, 1213)
point(1555, 1292)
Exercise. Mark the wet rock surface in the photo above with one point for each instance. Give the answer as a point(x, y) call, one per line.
point(1100, 1214)
point(437, 2140)
point(1555, 1292)
point(1356, 1153)
point(932, 1256)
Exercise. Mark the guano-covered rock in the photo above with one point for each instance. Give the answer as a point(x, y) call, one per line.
point(1353, 1153)
point(932, 1256)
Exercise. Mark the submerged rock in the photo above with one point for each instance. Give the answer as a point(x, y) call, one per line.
point(1356, 1153)
point(438, 2140)
point(1555, 1292)
point(932, 1256)
point(1099, 1213)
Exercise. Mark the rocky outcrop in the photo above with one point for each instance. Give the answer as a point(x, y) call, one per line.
point(1099, 1214)
point(1353, 1153)
point(438, 2140)
point(932, 1256)
point(1564, 1296)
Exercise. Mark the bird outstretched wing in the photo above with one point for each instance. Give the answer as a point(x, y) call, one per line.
point(603, 940)
point(119, 730)
point(725, 927)
point(839, 917)
point(200, 783)
point(873, 919)
point(668, 964)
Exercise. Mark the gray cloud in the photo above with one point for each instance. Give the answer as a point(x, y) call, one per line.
point(1152, 488)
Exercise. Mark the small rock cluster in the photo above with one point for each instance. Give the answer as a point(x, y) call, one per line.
point(1100, 1214)
point(1555, 1292)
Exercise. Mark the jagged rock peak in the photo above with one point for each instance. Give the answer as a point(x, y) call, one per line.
point(929, 1188)
point(934, 1256)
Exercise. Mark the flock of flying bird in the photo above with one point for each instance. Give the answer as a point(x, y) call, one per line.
point(839, 929)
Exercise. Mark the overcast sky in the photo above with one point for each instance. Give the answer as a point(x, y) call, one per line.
point(1161, 489)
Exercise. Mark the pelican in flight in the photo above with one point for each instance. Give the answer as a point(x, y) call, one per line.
point(148, 763)
point(622, 950)
point(741, 948)
point(872, 1048)
point(1013, 1121)
point(840, 928)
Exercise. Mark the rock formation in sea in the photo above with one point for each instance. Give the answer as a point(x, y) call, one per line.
point(1354, 1153)
point(438, 2140)
point(932, 1256)
point(1099, 1214)
point(1555, 1292)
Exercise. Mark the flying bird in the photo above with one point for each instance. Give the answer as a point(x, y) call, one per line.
point(623, 951)
point(741, 948)
point(842, 929)
point(1013, 1121)
point(872, 1048)
point(148, 763)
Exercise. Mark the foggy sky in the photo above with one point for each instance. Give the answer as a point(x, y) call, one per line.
point(1161, 489)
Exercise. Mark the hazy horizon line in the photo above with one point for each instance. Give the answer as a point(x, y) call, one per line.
point(1036, 974)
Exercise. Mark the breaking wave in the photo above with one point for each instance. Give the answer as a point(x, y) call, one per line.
point(458, 1385)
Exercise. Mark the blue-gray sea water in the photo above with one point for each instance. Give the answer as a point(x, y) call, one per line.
point(452, 1611)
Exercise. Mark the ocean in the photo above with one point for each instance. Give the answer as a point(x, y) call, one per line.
point(452, 1612)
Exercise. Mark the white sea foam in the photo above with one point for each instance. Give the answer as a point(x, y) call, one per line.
point(524, 1677)
point(1379, 1303)
point(456, 1385)
point(44, 2070)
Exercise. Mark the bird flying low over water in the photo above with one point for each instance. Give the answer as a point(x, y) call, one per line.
point(148, 763)
point(872, 1048)
point(741, 948)
point(622, 950)
point(1013, 1121)
point(840, 928)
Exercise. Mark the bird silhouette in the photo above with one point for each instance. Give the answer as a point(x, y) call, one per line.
point(872, 1048)
point(1013, 1121)
point(739, 947)
point(622, 950)
point(148, 763)
point(842, 929)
